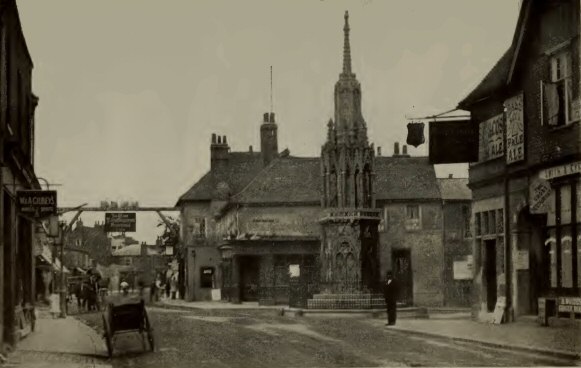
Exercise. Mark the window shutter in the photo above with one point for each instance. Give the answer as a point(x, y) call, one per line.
point(550, 103)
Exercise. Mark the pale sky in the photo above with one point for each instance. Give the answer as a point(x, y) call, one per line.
point(131, 90)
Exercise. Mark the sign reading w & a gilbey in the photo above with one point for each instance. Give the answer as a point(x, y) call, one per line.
point(36, 203)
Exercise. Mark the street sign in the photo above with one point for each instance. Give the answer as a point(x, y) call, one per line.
point(120, 222)
point(453, 142)
point(36, 203)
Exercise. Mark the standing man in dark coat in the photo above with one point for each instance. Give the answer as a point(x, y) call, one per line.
point(390, 293)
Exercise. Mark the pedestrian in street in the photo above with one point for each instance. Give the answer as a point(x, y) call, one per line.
point(390, 293)
point(173, 285)
point(168, 275)
point(158, 287)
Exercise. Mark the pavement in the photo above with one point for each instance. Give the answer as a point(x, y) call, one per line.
point(525, 335)
point(213, 305)
point(60, 342)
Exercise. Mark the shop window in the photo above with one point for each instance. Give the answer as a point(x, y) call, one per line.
point(466, 217)
point(566, 259)
point(207, 277)
point(485, 228)
point(492, 222)
point(551, 247)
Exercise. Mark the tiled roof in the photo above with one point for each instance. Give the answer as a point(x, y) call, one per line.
point(286, 180)
point(241, 168)
point(297, 180)
point(405, 178)
point(455, 189)
point(495, 79)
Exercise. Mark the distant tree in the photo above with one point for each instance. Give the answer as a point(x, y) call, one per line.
point(171, 233)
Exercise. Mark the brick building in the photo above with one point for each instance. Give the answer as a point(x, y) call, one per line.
point(257, 217)
point(17, 106)
point(525, 184)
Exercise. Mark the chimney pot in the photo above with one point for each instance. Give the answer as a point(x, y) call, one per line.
point(450, 176)
point(272, 117)
point(213, 138)
point(396, 149)
point(405, 149)
point(219, 140)
point(250, 149)
point(378, 151)
point(265, 117)
point(224, 140)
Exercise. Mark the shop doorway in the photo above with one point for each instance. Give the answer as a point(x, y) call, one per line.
point(490, 273)
point(402, 272)
point(249, 278)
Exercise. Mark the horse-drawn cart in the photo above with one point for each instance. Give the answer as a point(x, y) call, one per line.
point(126, 318)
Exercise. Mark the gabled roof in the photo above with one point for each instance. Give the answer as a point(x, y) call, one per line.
point(398, 178)
point(6, 6)
point(501, 73)
point(242, 167)
point(455, 189)
point(285, 180)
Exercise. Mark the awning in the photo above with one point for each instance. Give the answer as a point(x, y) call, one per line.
point(46, 261)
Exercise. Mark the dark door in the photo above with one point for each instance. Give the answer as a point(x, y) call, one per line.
point(490, 273)
point(402, 272)
point(249, 276)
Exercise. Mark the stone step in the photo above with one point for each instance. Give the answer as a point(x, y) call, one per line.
point(353, 296)
point(345, 303)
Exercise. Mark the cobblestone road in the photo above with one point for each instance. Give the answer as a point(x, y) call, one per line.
point(262, 339)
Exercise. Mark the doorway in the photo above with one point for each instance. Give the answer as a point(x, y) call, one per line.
point(402, 272)
point(249, 278)
point(490, 273)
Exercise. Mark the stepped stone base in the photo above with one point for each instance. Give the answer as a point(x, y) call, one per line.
point(346, 301)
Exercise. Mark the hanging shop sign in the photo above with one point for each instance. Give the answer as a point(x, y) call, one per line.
point(120, 222)
point(36, 203)
point(539, 194)
point(515, 137)
point(454, 141)
point(491, 138)
point(561, 170)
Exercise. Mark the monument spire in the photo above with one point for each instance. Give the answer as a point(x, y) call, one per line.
point(346, 47)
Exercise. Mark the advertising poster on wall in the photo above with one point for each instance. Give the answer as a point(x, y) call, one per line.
point(515, 148)
point(491, 138)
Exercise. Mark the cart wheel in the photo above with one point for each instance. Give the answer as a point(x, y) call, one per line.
point(108, 337)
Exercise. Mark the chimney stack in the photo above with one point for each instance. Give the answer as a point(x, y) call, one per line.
point(450, 176)
point(396, 149)
point(271, 117)
point(268, 139)
point(378, 151)
point(265, 119)
point(218, 151)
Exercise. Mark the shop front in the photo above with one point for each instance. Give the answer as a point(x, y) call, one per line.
point(556, 194)
point(259, 270)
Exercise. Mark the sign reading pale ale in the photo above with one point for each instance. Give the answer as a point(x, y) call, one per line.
point(120, 222)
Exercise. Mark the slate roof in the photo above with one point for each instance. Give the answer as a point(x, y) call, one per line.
point(297, 180)
point(399, 178)
point(455, 189)
point(241, 169)
point(285, 180)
